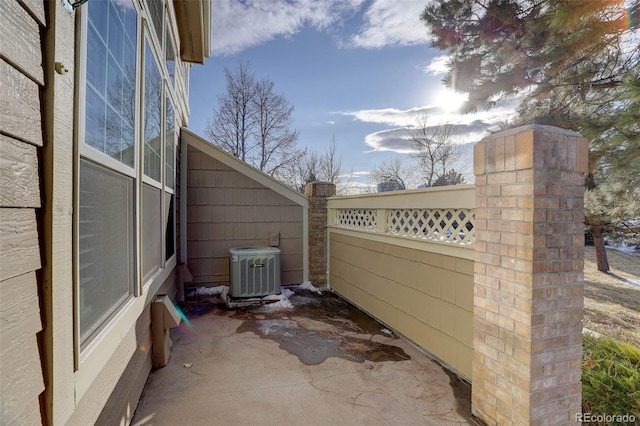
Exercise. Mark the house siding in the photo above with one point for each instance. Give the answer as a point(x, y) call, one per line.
point(21, 140)
point(42, 378)
point(428, 297)
point(228, 209)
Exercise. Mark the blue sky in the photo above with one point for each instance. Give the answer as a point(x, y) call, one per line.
point(356, 70)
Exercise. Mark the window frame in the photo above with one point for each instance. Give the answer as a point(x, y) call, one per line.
point(101, 345)
point(84, 150)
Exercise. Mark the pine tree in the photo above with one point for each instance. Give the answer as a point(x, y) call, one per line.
point(575, 64)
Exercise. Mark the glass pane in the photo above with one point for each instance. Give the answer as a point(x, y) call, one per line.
point(152, 115)
point(156, 10)
point(151, 230)
point(170, 56)
point(106, 252)
point(169, 145)
point(169, 226)
point(110, 102)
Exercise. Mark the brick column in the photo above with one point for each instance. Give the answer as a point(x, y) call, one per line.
point(528, 293)
point(318, 192)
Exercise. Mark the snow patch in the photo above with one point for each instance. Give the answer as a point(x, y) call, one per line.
point(287, 293)
point(308, 286)
point(282, 302)
point(623, 247)
point(211, 291)
point(208, 291)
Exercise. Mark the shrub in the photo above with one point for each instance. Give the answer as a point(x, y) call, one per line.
point(610, 377)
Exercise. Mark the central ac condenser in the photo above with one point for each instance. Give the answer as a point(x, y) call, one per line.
point(254, 271)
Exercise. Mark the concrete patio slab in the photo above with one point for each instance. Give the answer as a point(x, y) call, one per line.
point(321, 362)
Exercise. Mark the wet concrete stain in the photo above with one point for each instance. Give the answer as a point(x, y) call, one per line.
point(336, 339)
point(462, 395)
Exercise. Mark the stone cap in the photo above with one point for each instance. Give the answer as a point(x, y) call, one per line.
point(534, 146)
point(320, 189)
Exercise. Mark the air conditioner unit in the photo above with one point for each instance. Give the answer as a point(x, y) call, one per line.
point(254, 271)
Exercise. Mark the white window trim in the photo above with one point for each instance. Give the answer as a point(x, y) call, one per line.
point(91, 360)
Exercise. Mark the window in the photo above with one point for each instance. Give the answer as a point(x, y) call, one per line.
point(170, 55)
point(127, 139)
point(110, 88)
point(106, 250)
point(152, 110)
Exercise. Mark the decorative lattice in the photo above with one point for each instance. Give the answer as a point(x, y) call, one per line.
point(447, 225)
point(362, 219)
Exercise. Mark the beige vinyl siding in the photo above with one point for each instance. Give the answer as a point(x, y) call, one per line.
point(426, 296)
point(21, 81)
point(228, 209)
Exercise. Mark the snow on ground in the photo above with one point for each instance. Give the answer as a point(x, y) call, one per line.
point(288, 293)
point(277, 301)
point(308, 286)
point(623, 248)
point(209, 291)
point(282, 303)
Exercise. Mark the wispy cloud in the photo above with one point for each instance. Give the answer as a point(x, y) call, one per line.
point(391, 116)
point(438, 65)
point(239, 25)
point(392, 23)
point(465, 127)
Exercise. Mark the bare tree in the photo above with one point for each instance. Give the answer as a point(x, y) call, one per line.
point(330, 167)
point(451, 177)
point(313, 166)
point(233, 122)
point(395, 174)
point(433, 148)
point(275, 140)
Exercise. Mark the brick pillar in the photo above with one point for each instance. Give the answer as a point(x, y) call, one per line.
point(528, 291)
point(318, 192)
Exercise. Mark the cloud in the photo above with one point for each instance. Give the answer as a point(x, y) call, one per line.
point(392, 23)
point(465, 128)
point(239, 25)
point(391, 116)
point(395, 140)
point(499, 114)
point(438, 65)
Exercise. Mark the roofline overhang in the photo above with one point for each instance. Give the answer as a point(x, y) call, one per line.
point(193, 18)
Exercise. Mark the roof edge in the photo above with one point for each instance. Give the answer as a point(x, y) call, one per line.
point(203, 145)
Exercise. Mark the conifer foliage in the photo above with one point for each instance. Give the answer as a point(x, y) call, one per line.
point(574, 64)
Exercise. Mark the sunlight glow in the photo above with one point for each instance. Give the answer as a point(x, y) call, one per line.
point(449, 100)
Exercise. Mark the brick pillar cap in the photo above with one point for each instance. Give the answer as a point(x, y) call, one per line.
point(320, 189)
point(535, 127)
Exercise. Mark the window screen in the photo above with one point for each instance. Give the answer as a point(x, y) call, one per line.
point(151, 230)
point(106, 245)
point(169, 226)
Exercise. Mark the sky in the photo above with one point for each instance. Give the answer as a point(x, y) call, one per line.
point(357, 71)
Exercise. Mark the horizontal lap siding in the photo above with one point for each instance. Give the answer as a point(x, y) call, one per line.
point(21, 80)
point(228, 209)
point(428, 297)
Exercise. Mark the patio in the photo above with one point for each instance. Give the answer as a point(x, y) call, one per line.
point(310, 358)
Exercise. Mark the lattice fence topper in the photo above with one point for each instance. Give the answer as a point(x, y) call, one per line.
point(447, 225)
point(363, 219)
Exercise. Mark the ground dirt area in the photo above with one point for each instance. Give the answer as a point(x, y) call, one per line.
point(612, 300)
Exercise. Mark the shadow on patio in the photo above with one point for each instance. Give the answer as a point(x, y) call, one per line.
point(308, 359)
